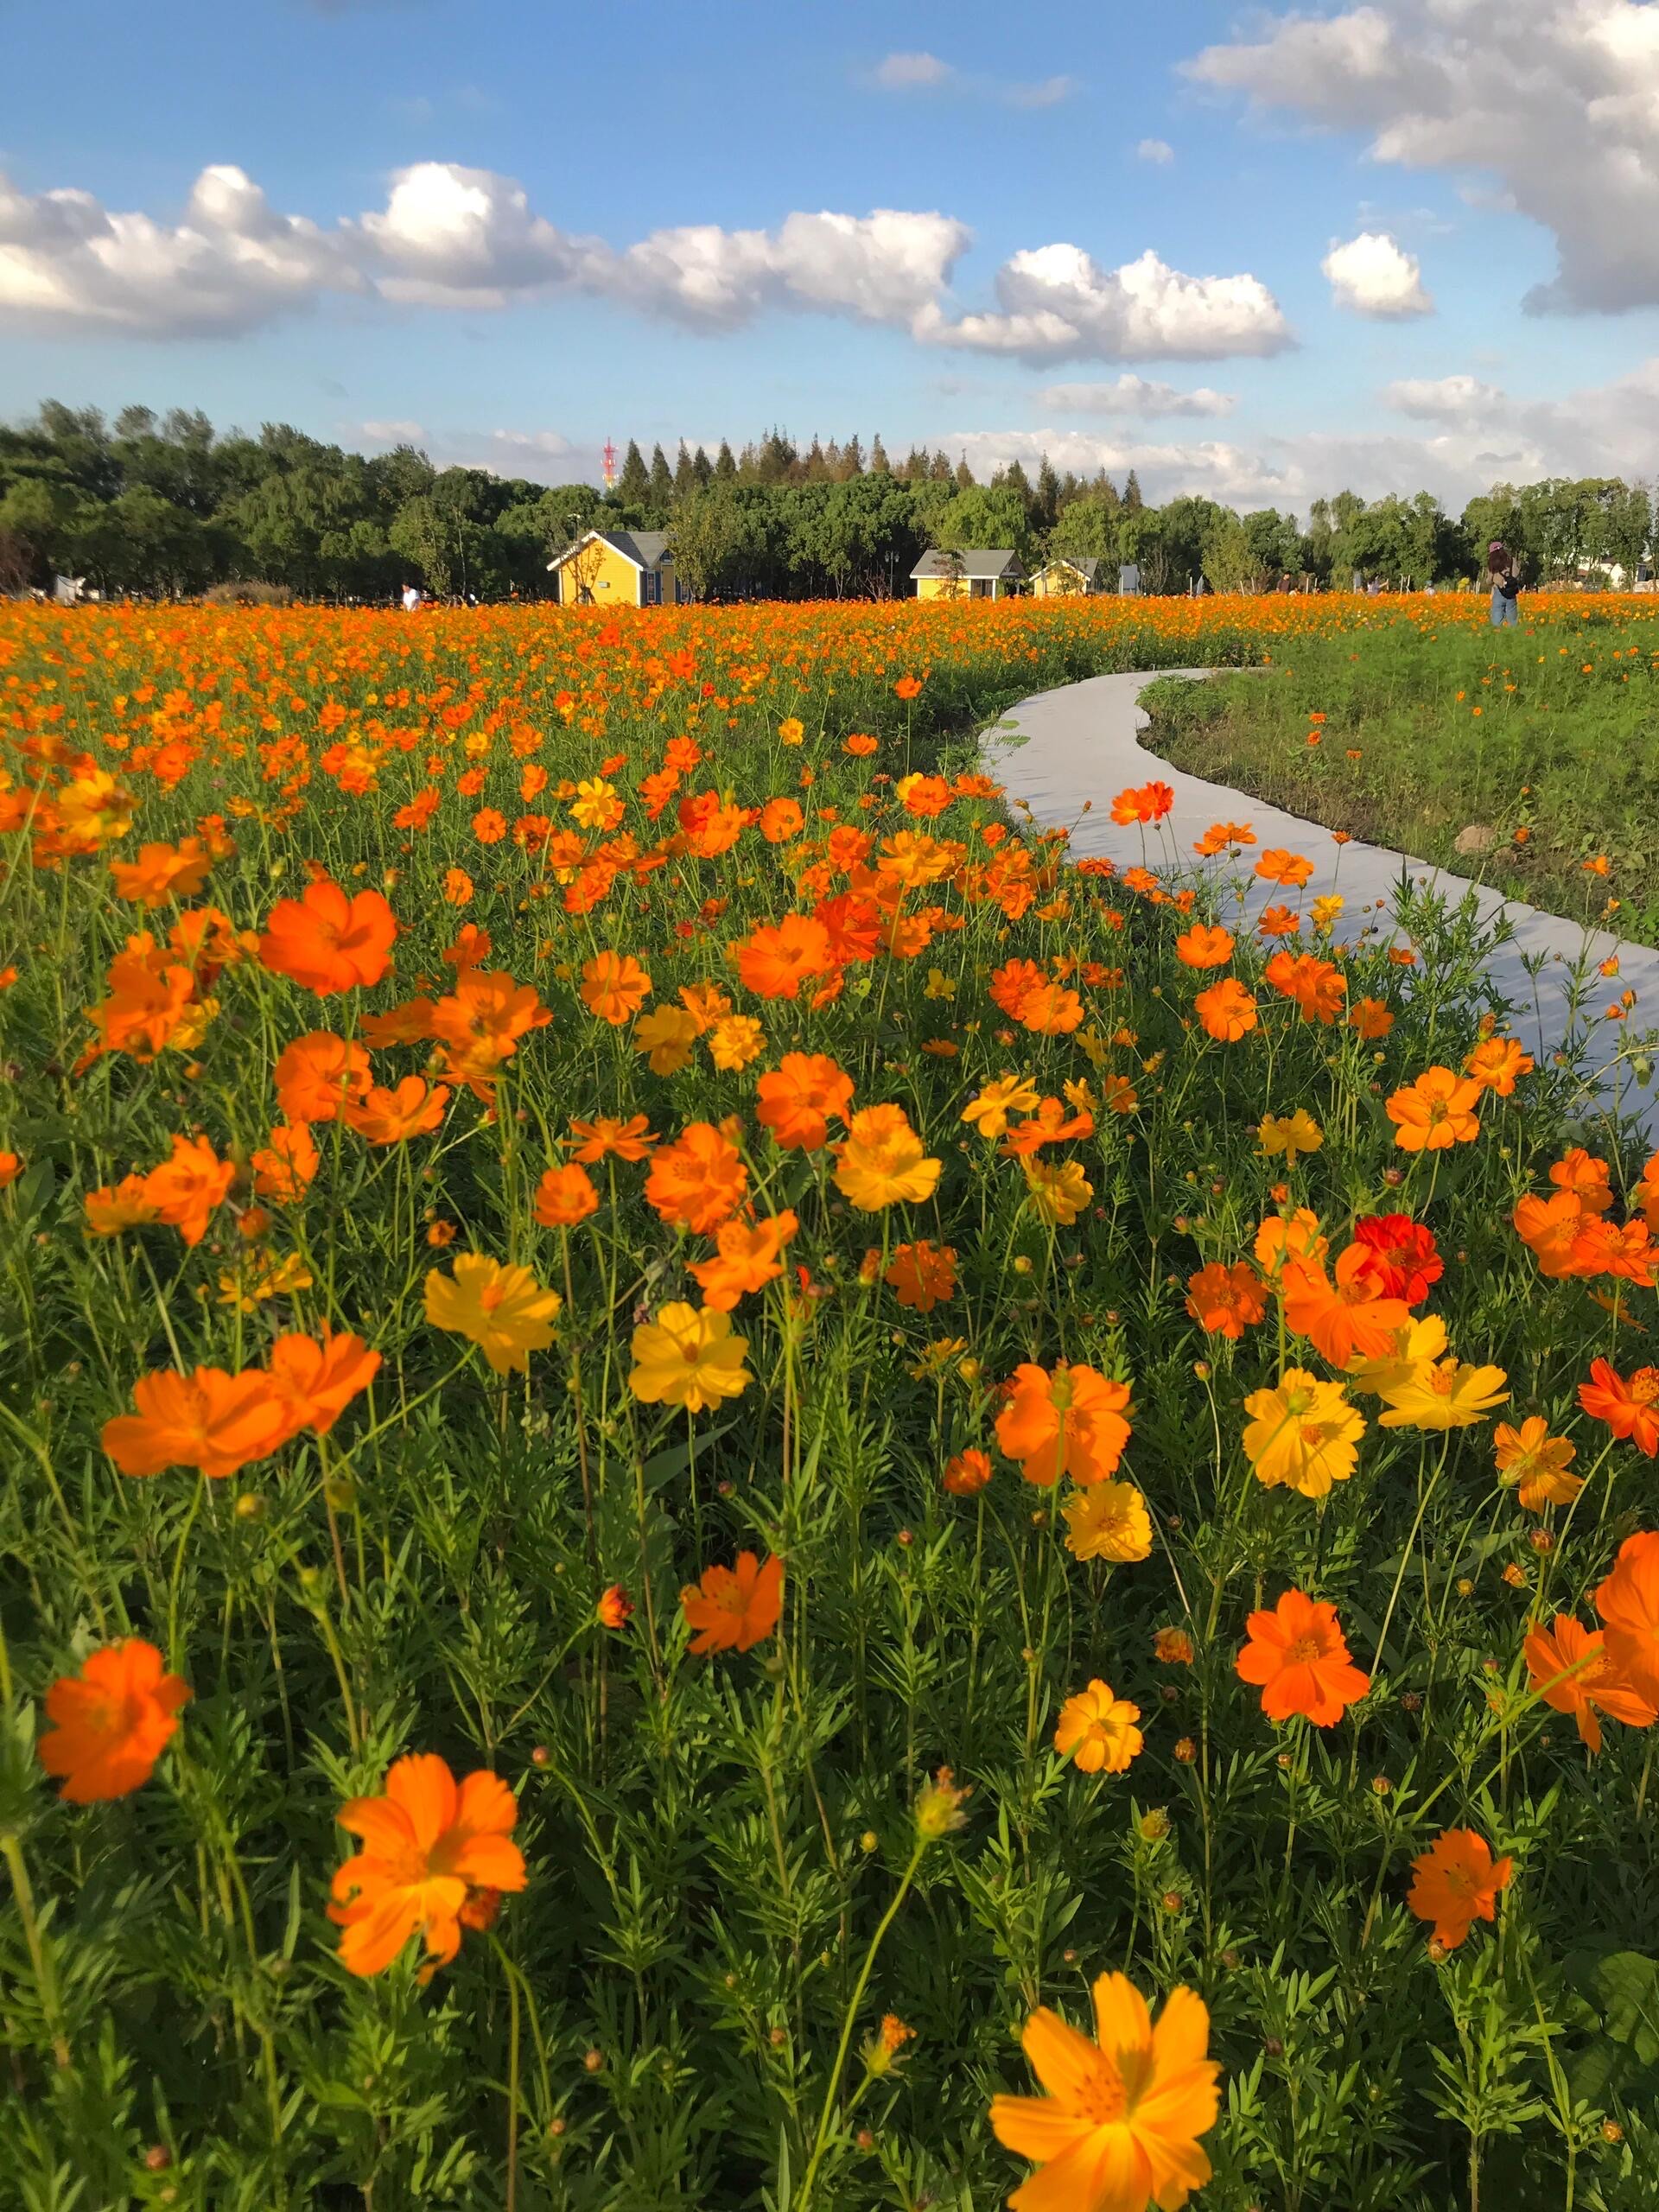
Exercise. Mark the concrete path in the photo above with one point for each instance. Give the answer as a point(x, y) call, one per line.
point(1068, 753)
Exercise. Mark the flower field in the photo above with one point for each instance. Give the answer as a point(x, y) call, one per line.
point(721, 1491)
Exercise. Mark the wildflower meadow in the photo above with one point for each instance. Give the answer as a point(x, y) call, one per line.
point(722, 1490)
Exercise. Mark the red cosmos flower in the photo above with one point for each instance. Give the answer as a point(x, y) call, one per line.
point(1402, 1253)
point(326, 942)
point(1629, 1409)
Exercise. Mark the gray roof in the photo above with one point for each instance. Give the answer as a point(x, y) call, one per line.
point(978, 564)
point(1084, 563)
point(646, 549)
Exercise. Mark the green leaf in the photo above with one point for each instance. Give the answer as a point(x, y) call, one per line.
point(1630, 1988)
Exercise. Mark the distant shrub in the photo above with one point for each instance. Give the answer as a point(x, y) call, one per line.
point(248, 594)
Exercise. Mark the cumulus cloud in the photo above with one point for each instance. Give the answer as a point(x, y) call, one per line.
point(229, 264)
point(1444, 399)
point(1475, 436)
point(1057, 303)
point(389, 434)
point(1557, 100)
point(449, 237)
point(544, 445)
point(1156, 150)
point(1132, 395)
point(926, 73)
point(1372, 275)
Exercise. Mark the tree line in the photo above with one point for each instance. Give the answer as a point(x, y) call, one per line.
point(164, 505)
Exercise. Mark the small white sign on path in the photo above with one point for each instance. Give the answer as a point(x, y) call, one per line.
point(1067, 753)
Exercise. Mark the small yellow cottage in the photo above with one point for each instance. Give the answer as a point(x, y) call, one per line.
point(1069, 578)
point(616, 568)
point(977, 575)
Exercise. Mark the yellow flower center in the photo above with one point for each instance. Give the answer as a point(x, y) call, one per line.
point(1302, 1652)
point(1101, 2096)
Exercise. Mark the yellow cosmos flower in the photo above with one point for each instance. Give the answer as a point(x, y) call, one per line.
point(1444, 1394)
point(939, 986)
point(1108, 1520)
point(1418, 1342)
point(1120, 2127)
point(503, 1309)
point(687, 1357)
point(1290, 1134)
point(1535, 1462)
point(1058, 1193)
point(1303, 1434)
point(1097, 1730)
point(883, 1162)
point(666, 1035)
point(735, 1040)
point(1009, 1094)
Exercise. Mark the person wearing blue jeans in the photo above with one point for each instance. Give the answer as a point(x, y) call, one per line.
point(1505, 584)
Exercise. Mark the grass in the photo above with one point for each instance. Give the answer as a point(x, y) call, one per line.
point(738, 1865)
point(1535, 746)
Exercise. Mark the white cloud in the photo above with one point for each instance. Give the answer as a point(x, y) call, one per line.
point(1371, 275)
point(546, 445)
point(450, 236)
point(1047, 93)
point(1156, 150)
point(229, 264)
point(912, 72)
point(389, 434)
point(1446, 399)
point(1129, 394)
point(1556, 100)
point(1058, 304)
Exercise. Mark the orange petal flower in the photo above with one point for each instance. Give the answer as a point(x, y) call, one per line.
point(210, 1420)
point(1455, 1882)
point(437, 1856)
point(1298, 1658)
point(733, 1608)
point(326, 942)
point(111, 1721)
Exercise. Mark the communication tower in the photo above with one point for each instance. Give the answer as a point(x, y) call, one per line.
point(609, 460)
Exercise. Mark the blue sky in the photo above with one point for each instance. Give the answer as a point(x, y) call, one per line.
point(1415, 242)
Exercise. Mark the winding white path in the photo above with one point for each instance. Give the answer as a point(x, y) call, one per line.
point(1066, 754)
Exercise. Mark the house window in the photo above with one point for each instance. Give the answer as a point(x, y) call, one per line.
point(981, 587)
point(650, 588)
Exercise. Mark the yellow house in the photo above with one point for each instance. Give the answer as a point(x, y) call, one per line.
point(617, 567)
point(1066, 577)
point(979, 575)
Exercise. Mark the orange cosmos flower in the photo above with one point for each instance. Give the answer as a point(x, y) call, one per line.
point(1225, 1300)
point(1147, 803)
point(1435, 1112)
point(315, 1381)
point(186, 1189)
point(316, 1074)
point(437, 1858)
point(565, 1196)
point(615, 987)
point(1204, 946)
point(284, 1168)
point(777, 958)
point(733, 1608)
point(110, 1722)
point(1343, 1314)
point(1497, 1064)
point(966, 1474)
point(1227, 1011)
point(162, 872)
point(604, 1137)
point(615, 1608)
point(1119, 2130)
point(326, 942)
point(1277, 866)
point(1298, 1658)
point(385, 1117)
point(1315, 986)
point(1535, 1463)
point(1627, 1602)
point(1629, 1409)
point(482, 1019)
point(908, 686)
point(1455, 1882)
point(801, 1097)
point(1371, 1018)
point(1570, 1666)
point(11, 1166)
point(210, 1420)
point(922, 1275)
point(1172, 1647)
point(1071, 1421)
point(747, 1259)
point(127, 1206)
point(1587, 1178)
point(882, 1162)
point(780, 820)
point(699, 1180)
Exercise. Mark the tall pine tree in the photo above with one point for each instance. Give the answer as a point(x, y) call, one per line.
point(633, 484)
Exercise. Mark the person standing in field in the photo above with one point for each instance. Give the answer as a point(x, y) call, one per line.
point(1506, 585)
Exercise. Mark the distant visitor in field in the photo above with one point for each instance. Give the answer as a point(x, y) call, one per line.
point(1506, 584)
